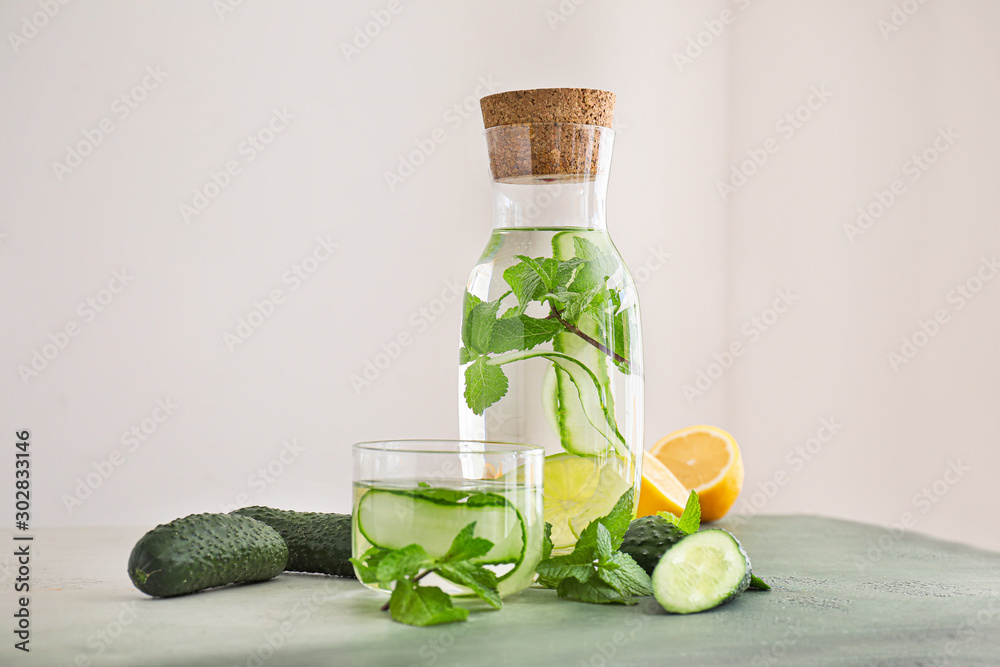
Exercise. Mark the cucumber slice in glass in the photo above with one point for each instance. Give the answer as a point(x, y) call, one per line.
point(394, 519)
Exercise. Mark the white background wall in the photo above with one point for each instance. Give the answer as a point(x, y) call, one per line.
point(682, 126)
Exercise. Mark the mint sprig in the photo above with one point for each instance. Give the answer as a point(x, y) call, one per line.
point(568, 290)
point(690, 519)
point(416, 604)
point(596, 571)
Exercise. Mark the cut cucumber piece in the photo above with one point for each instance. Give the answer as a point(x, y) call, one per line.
point(593, 396)
point(700, 572)
point(396, 519)
point(577, 432)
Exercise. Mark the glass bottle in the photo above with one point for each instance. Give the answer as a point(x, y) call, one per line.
point(551, 350)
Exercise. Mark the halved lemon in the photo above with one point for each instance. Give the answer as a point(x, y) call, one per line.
point(661, 491)
point(706, 459)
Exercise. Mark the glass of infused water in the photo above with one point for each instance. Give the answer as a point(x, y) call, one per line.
point(426, 491)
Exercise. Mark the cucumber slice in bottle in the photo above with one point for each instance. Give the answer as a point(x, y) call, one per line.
point(395, 519)
point(701, 572)
point(578, 434)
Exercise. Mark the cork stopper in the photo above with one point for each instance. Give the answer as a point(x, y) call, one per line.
point(582, 106)
point(549, 134)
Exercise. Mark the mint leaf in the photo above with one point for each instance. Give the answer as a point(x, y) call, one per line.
point(401, 563)
point(595, 591)
point(464, 356)
point(547, 545)
point(481, 319)
point(602, 544)
point(485, 384)
point(566, 271)
point(758, 583)
point(525, 282)
point(367, 564)
point(619, 339)
point(616, 521)
point(483, 499)
point(571, 566)
point(466, 547)
point(545, 268)
point(452, 496)
point(470, 302)
point(423, 605)
point(585, 249)
point(475, 577)
point(690, 518)
point(627, 577)
point(521, 332)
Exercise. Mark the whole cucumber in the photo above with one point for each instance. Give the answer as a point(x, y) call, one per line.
point(317, 541)
point(205, 550)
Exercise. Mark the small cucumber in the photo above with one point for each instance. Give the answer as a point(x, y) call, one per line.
point(317, 541)
point(648, 538)
point(203, 551)
point(701, 571)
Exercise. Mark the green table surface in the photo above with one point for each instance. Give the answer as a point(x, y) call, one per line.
point(844, 594)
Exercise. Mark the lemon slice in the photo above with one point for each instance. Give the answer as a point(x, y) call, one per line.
point(578, 489)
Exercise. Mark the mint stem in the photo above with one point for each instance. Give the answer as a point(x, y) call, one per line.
point(417, 578)
point(603, 348)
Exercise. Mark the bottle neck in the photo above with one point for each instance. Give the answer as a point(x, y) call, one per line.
point(551, 205)
point(549, 175)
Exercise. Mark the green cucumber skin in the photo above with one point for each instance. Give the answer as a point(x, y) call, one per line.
point(203, 551)
point(317, 542)
point(731, 594)
point(648, 538)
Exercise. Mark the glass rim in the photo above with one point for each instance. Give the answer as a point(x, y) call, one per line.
point(499, 447)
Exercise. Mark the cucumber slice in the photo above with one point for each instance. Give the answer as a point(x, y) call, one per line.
point(395, 519)
point(578, 434)
point(700, 572)
point(593, 396)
